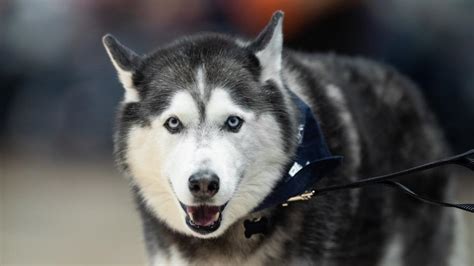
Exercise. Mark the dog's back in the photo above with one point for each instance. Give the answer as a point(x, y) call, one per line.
point(377, 119)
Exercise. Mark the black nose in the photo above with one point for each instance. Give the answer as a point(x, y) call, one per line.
point(203, 184)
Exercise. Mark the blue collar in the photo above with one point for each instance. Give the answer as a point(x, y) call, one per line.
point(311, 162)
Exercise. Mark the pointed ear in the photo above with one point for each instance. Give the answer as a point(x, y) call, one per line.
point(268, 48)
point(125, 62)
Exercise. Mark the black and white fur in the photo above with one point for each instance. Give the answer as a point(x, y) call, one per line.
point(368, 112)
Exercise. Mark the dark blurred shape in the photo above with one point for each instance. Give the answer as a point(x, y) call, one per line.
point(251, 16)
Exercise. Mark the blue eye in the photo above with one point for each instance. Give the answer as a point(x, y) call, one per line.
point(234, 123)
point(173, 124)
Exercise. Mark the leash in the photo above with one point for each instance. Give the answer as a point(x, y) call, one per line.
point(259, 226)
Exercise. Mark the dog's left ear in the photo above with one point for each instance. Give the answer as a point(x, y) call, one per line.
point(268, 48)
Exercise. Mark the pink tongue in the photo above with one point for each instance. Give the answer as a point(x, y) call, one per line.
point(203, 215)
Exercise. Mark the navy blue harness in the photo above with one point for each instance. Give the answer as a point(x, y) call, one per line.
point(313, 160)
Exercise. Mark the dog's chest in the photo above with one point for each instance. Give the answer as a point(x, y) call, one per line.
point(241, 252)
point(176, 258)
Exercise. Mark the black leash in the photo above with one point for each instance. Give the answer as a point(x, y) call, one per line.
point(460, 159)
point(462, 206)
point(466, 159)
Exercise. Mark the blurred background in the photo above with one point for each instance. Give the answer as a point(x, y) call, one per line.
point(61, 200)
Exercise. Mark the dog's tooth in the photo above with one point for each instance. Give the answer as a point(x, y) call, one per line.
point(191, 216)
point(216, 216)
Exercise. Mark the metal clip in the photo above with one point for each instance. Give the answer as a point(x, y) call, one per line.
point(305, 196)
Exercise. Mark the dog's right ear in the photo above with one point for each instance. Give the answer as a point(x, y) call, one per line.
point(125, 62)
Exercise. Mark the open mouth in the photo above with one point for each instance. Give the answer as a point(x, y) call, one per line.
point(203, 219)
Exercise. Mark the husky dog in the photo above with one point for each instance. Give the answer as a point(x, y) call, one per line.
point(207, 127)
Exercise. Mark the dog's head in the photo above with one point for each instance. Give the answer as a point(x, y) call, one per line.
point(205, 128)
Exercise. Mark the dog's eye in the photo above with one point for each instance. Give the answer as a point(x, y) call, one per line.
point(234, 123)
point(173, 124)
